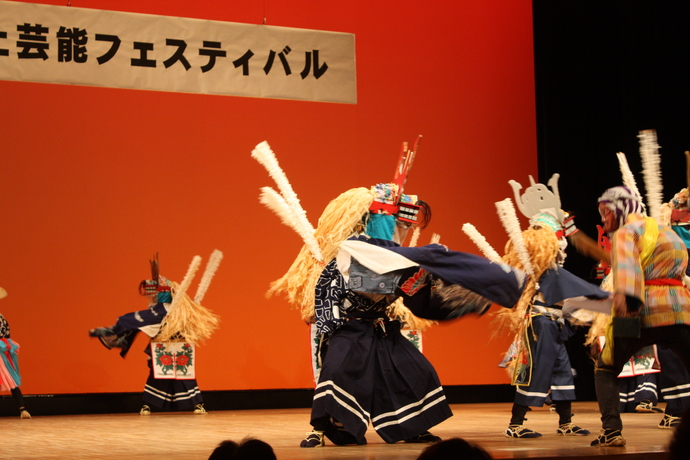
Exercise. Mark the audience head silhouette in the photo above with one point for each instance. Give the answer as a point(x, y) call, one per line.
point(452, 449)
point(247, 449)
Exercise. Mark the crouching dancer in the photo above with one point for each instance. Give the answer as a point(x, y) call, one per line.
point(345, 281)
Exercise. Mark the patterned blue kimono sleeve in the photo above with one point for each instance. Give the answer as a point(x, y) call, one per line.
point(329, 294)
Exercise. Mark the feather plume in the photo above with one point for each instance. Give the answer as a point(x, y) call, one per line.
point(483, 245)
point(276, 203)
point(341, 219)
point(414, 239)
point(628, 177)
point(186, 282)
point(651, 171)
point(211, 267)
point(509, 219)
point(264, 155)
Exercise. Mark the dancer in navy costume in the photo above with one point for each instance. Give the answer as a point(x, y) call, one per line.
point(345, 281)
point(371, 373)
point(545, 336)
point(540, 362)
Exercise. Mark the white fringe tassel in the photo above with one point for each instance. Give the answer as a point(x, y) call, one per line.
point(628, 177)
point(184, 285)
point(651, 170)
point(483, 245)
point(211, 267)
point(264, 155)
point(509, 219)
point(414, 239)
point(275, 202)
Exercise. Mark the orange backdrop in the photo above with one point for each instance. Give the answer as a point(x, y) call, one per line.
point(93, 181)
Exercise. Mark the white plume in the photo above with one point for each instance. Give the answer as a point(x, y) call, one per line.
point(651, 170)
point(275, 202)
point(184, 285)
point(628, 177)
point(264, 155)
point(414, 239)
point(479, 240)
point(509, 219)
point(211, 267)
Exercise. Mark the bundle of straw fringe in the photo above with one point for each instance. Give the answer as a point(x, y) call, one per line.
point(542, 246)
point(342, 218)
point(188, 320)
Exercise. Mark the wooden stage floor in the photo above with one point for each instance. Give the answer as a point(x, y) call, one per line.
point(185, 436)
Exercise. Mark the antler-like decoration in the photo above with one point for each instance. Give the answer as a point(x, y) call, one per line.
point(402, 171)
point(538, 198)
point(553, 184)
point(286, 204)
point(155, 270)
point(517, 186)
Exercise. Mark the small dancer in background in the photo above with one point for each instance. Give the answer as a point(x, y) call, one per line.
point(175, 323)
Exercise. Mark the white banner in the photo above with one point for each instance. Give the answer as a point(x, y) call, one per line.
point(79, 46)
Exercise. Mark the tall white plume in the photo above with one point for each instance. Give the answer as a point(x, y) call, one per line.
point(264, 155)
point(211, 267)
point(651, 170)
point(628, 177)
point(509, 219)
point(479, 240)
point(186, 281)
point(414, 239)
